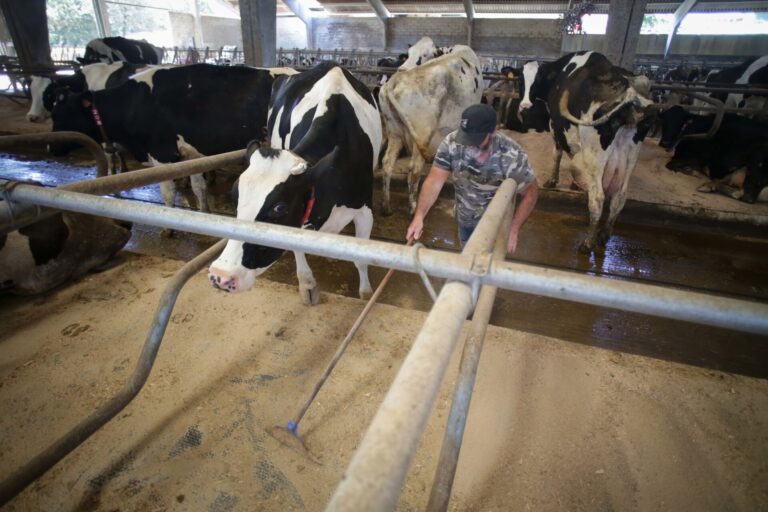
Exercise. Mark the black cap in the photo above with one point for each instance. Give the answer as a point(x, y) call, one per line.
point(476, 122)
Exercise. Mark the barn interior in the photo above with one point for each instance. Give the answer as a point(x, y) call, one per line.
point(577, 405)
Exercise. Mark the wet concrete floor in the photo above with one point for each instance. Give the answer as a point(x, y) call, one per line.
point(650, 249)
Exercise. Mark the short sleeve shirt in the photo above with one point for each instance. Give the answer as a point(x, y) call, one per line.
point(476, 183)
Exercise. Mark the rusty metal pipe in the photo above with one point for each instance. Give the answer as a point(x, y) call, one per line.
point(8, 141)
point(45, 460)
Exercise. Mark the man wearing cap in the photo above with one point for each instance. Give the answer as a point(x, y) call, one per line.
point(480, 159)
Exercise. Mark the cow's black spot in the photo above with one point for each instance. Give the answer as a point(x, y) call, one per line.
point(269, 152)
point(570, 67)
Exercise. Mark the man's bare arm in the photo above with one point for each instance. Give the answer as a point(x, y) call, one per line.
point(526, 201)
point(427, 197)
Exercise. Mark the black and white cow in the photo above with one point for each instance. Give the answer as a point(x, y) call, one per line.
point(112, 49)
point(739, 146)
point(753, 71)
point(325, 133)
point(168, 115)
point(94, 77)
point(51, 251)
point(598, 117)
point(388, 62)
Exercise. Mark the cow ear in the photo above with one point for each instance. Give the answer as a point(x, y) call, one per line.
point(252, 146)
point(325, 164)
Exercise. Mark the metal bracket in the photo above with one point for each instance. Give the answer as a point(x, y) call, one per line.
point(481, 264)
point(422, 273)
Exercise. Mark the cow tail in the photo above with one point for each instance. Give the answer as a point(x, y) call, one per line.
point(629, 97)
point(395, 109)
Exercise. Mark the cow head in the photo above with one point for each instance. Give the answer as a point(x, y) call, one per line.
point(40, 110)
point(275, 188)
point(421, 52)
point(526, 83)
point(72, 112)
point(674, 121)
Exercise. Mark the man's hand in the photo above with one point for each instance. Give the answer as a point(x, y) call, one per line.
point(415, 229)
point(512, 241)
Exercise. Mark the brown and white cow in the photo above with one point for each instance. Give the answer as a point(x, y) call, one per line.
point(598, 117)
point(421, 105)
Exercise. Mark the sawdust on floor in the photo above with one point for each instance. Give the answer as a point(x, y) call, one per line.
point(553, 425)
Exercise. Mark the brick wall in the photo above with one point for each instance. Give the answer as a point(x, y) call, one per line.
point(532, 38)
point(443, 31)
point(352, 33)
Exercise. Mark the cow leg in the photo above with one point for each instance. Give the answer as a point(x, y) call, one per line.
point(595, 200)
point(555, 179)
point(308, 292)
point(394, 145)
point(199, 182)
point(615, 206)
point(414, 176)
point(363, 224)
point(168, 191)
point(200, 188)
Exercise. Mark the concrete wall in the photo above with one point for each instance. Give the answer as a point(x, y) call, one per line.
point(291, 32)
point(534, 38)
point(682, 45)
point(352, 33)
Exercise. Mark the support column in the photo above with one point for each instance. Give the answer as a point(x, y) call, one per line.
point(624, 20)
point(102, 18)
point(258, 21)
point(304, 15)
point(28, 24)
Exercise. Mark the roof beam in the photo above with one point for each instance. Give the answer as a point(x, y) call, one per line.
point(381, 11)
point(469, 8)
point(299, 10)
point(680, 13)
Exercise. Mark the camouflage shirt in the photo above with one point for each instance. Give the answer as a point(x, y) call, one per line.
point(475, 184)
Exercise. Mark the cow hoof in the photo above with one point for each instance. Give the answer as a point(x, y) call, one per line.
point(386, 210)
point(365, 294)
point(550, 183)
point(310, 296)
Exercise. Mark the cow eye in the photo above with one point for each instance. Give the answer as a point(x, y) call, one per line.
point(278, 210)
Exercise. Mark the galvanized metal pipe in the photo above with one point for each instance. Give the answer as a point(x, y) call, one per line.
point(93, 147)
point(465, 383)
point(35, 468)
point(25, 214)
point(648, 299)
point(377, 471)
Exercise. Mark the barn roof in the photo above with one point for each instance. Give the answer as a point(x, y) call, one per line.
point(456, 8)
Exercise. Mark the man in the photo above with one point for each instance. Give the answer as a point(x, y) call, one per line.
point(479, 158)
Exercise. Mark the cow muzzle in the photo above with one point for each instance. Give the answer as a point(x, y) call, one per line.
point(222, 280)
point(35, 118)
